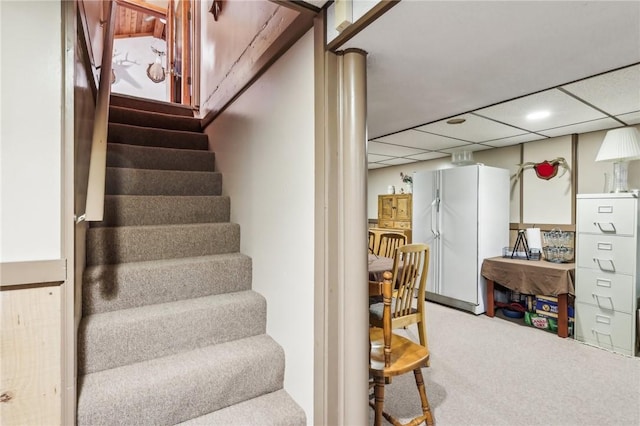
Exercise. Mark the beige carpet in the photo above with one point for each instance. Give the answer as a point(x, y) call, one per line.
point(490, 371)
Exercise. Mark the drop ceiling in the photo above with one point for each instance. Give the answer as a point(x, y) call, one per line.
point(492, 64)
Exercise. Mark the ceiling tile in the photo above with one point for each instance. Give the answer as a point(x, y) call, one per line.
point(632, 118)
point(527, 137)
point(474, 129)
point(397, 161)
point(428, 156)
point(372, 158)
point(589, 126)
point(563, 109)
point(376, 166)
point(422, 140)
point(474, 147)
point(616, 93)
point(391, 150)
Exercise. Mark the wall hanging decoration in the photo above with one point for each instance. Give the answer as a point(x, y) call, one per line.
point(408, 181)
point(216, 8)
point(545, 169)
point(155, 70)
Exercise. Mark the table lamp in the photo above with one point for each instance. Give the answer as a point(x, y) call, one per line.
point(620, 146)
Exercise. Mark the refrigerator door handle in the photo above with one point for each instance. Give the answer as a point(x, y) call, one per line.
point(435, 206)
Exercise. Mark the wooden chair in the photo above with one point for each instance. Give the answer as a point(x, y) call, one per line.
point(372, 242)
point(389, 242)
point(409, 274)
point(392, 355)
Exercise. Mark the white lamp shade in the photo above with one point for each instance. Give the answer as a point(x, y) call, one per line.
point(621, 144)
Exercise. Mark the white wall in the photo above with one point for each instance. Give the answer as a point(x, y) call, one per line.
point(545, 201)
point(131, 58)
point(264, 146)
point(380, 179)
point(30, 130)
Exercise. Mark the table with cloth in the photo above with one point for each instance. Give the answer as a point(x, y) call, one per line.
point(537, 277)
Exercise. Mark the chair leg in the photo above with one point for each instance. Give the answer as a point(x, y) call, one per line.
point(379, 399)
point(426, 410)
point(422, 334)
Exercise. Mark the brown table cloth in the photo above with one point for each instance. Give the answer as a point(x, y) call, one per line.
point(531, 276)
point(377, 265)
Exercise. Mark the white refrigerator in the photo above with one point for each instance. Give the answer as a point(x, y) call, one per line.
point(462, 213)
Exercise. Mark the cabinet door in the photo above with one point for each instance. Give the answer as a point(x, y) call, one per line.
point(403, 207)
point(385, 207)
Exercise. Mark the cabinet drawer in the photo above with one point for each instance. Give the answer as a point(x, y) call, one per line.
point(605, 289)
point(386, 224)
point(607, 329)
point(607, 253)
point(402, 225)
point(607, 216)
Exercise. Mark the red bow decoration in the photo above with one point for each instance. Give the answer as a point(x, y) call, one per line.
point(545, 169)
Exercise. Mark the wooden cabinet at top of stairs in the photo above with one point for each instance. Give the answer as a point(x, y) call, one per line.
point(394, 211)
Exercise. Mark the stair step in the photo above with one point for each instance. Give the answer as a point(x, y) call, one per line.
point(124, 244)
point(114, 339)
point(148, 136)
point(151, 157)
point(109, 288)
point(127, 181)
point(136, 117)
point(276, 408)
point(183, 386)
point(145, 104)
point(132, 210)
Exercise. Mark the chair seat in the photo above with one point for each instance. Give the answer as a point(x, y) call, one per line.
point(406, 355)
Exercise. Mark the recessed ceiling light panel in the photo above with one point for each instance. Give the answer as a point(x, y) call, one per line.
point(538, 115)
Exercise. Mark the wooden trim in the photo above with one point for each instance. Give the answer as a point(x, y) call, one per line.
point(143, 7)
point(298, 6)
point(324, 230)
point(33, 272)
point(362, 23)
point(521, 186)
point(185, 28)
point(68, 355)
point(94, 209)
point(285, 40)
point(574, 175)
point(542, 226)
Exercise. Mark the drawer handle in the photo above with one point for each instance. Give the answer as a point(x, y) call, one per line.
point(609, 227)
point(597, 297)
point(600, 333)
point(612, 269)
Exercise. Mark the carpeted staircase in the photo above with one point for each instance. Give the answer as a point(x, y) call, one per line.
point(171, 331)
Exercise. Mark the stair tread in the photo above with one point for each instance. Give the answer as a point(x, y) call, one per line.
point(131, 181)
point(159, 158)
point(157, 119)
point(276, 408)
point(127, 210)
point(116, 338)
point(110, 287)
point(151, 136)
point(145, 104)
point(121, 244)
point(182, 386)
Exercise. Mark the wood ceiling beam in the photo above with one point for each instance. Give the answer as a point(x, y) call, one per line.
point(143, 7)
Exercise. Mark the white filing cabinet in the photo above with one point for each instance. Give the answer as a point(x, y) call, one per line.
point(607, 281)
